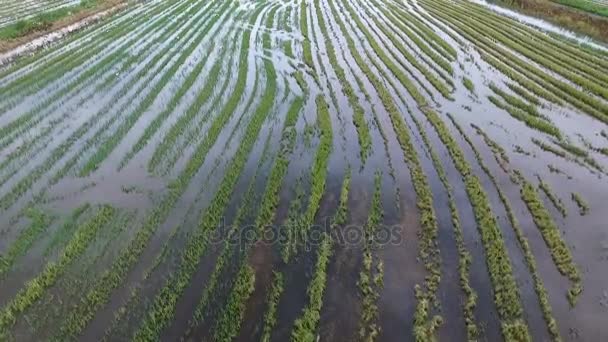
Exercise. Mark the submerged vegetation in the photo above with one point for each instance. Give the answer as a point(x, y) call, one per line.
point(222, 170)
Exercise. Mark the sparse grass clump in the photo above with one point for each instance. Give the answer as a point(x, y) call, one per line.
point(270, 319)
point(305, 327)
point(370, 277)
point(231, 317)
point(582, 205)
point(552, 236)
point(468, 84)
point(557, 202)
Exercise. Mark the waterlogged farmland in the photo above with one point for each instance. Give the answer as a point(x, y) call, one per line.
point(305, 170)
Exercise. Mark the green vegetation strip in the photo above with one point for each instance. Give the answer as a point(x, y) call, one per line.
point(365, 140)
point(539, 287)
point(25, 240)
point(506, 294)
point(380, 52)
point(307, 52)
point(305, 327)
point(231, 317)
point(464, 256)
point(270, 317)
point(557, 202)
point(557, 246)
point(442, 62)
point(582, 205)
point(530, 121)
point(586, 102)
point(318, 176)
point(370, 280)
point(425, 32)
point(35, 288)
point(55, 155)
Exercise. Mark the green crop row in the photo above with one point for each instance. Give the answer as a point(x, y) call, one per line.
point(530, 121)
point(578, 63)
point(108, 146)
point(548, 148)
point(523, 93)
point(270, 319)
point(342, 210)
point(521, 80)
point(178, 127)
point(555, 42)
point(411, 88)
point(26, 239)
point(307, 52)
point(583, 207)
point(557, 246)
point(365, 140)
point(428, 219)
point(465, 258)
point(500, 154)
point(53, 72)
point(516, 102)
point(557, 202)
point(318, 175)
point(539, 287)
point(305, 326)
point(369, 280)
point(193, 134)
point(506, 293)
point(229, 322)
point(279, 168)
point(35, 288)
point(153, 127)
point(227, 253)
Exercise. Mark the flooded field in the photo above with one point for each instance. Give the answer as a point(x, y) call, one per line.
point(12, 11)
point(306, 170)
